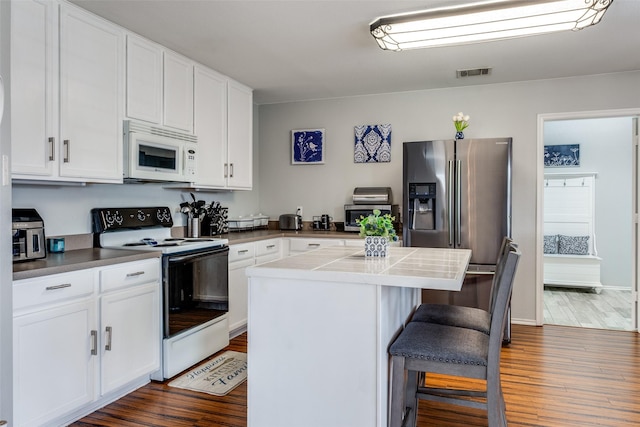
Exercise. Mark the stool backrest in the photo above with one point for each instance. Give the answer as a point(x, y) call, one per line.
point(502, 291)
point(502, 254)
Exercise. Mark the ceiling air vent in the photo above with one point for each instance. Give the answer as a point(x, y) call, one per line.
point(473, 72)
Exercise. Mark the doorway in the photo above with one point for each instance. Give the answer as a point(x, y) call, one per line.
point(569, 292)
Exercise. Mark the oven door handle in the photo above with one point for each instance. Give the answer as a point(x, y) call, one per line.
point(187, 258)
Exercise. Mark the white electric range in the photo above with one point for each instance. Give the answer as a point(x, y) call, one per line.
point(195, 291)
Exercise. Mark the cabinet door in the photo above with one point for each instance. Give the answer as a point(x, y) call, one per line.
point(211, 126)
point(130, 335)
point(91, 95)
point(178, 92)
point(238, 294)
point(144, 80)
point(53, 368)
point(240, 136)
point(33, 85)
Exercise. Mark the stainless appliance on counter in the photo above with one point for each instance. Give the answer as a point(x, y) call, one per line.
point(365, 201)
point(457, 194)
point(27, 229)
point(290, 222)
point(195, 287)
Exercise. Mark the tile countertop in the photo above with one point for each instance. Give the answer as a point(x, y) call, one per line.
point(82, 257)
point(428, 268)
point(78, 259)
point(254, 236)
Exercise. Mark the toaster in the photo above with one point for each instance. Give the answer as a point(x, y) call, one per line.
point(290, 222)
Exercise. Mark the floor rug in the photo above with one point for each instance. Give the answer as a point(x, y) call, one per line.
point(217, 376)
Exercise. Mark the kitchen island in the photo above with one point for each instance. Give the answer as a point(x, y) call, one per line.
point(320, 324)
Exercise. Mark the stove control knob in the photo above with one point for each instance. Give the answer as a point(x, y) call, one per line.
point(141, 216)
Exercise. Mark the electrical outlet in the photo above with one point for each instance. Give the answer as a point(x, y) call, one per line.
point(299, 210)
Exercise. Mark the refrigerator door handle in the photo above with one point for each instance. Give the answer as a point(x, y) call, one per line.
point(458, 202)
point(450, 201)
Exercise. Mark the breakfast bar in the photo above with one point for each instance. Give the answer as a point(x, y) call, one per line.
point(320, 324)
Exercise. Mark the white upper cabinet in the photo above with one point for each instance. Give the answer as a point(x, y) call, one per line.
point(34, 88)
point(144, 80)
point(211, 126)
point(91, 94)
point(68, 69)
point(178, 92)
point(240, 136)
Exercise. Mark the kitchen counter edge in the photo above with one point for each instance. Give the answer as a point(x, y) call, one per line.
point(78, 259)
point(257, 235)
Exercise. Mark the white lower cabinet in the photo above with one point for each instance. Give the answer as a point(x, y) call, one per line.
point(241, 256)
point(303, 244)
point(83, 339)
point(54, 334)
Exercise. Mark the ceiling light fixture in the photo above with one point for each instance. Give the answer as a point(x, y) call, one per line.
point(479, 22)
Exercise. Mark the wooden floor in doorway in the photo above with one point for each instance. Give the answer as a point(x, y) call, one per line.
point(552, 376)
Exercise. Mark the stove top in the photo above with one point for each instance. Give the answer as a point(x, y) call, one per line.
point(145, 229)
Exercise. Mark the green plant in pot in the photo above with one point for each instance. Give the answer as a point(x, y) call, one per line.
point(377, 231)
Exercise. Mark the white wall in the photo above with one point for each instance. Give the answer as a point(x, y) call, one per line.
point(495, 110)
point(606, 148)
point(66, 210)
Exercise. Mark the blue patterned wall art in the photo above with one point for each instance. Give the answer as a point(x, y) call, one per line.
point(372, 144)
point(307, 147)
point(561, 155)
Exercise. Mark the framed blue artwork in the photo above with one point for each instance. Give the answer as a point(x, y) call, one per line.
point(372, 144)
point(561, 155)
point(307, 147)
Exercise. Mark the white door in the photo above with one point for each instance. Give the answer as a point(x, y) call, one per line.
point(178, 92)
point(211, 126)
point(240, 136)
point(91, 95)
point(130, 331)
point(144, 80)
point(53, 368)
point(34, 77)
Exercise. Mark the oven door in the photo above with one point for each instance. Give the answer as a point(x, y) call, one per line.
point(196, 288)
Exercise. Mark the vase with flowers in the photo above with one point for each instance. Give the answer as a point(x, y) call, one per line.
point(461, 122)
point(377, 231)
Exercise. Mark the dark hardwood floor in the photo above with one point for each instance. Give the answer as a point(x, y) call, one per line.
point(552, 376)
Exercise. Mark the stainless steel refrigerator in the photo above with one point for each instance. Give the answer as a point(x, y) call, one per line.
point(457, 194)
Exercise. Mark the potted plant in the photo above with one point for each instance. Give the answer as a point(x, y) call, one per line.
point(377, 231)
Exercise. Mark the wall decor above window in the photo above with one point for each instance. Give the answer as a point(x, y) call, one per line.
point(307, 147)
point(561, 155)
point(372, 144)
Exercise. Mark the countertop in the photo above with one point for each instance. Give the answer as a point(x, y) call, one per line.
point(425, 268)
point(78, 259)
point(254, 236)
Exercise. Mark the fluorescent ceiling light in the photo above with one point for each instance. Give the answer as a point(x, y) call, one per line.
point(478, 22)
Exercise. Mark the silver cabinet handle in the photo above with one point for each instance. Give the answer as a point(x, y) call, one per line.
point(61, 286)
point(244, 251)
point(231, 170)
point(52, 148)
point(94, 343)
point(271, 246)
point(109, 332)
point(137, 273)
point(313, 244)
point(66, 144)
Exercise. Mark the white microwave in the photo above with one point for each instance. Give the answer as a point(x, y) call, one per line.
point(153, 153)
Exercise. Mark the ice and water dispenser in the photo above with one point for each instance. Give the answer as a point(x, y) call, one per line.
point(422, 206)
